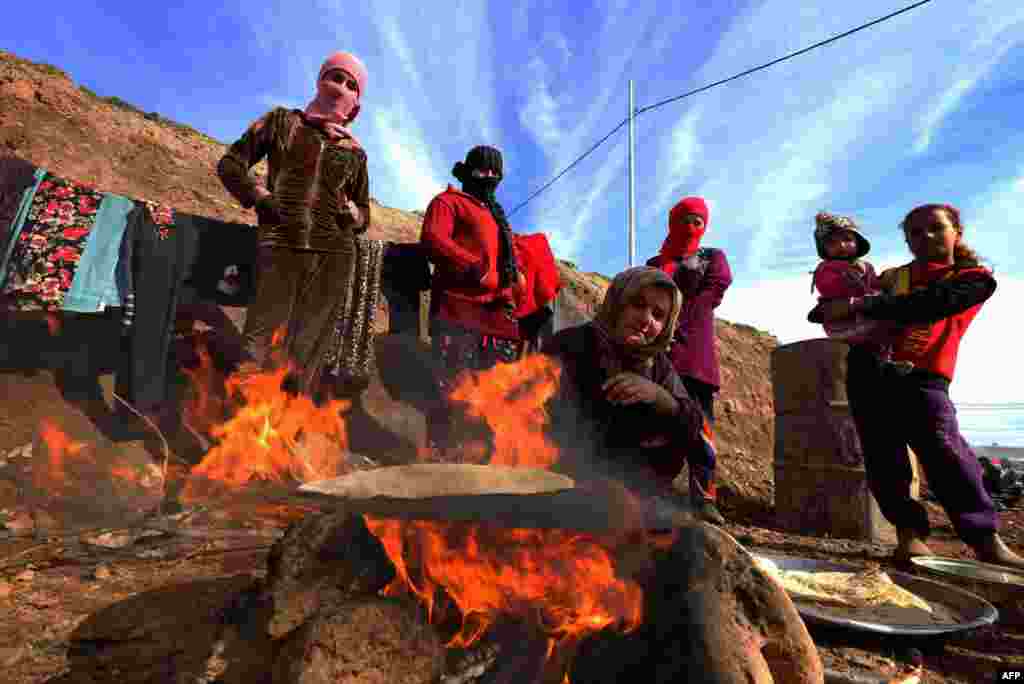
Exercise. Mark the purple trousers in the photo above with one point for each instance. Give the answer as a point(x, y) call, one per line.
point(892, 411)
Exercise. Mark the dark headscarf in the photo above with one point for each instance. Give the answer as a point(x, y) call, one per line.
point(617, 357)
point(484, 158)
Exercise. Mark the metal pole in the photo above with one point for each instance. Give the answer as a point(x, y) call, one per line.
point(632, 177)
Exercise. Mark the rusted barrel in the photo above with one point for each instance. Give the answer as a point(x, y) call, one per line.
point(820, 483)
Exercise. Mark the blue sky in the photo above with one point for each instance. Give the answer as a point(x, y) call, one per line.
point(921, 108)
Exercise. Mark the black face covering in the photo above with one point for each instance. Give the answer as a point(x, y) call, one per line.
point(481, 188)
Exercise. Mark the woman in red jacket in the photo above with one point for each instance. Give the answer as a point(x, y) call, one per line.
point(476, 283)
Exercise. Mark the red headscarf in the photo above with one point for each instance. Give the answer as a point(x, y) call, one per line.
point(683, 240)
point(335, 106)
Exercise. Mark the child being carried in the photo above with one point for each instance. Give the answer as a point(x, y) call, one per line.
point(844, 273)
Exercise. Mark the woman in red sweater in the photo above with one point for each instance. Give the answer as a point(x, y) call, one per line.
point(906, 401)
point(476, 283)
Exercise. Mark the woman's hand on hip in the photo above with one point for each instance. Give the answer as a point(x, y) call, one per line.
point(350, 216)
point(267, 211)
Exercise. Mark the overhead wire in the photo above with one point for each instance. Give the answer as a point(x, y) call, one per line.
point(747, 72)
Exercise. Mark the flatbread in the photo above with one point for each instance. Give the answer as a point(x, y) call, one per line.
point(870, 588)
point(429, 480)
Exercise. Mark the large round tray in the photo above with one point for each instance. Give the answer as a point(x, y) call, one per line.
point(974, 610)
point(992, 582)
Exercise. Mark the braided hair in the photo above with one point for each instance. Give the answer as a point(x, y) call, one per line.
point(485, 157)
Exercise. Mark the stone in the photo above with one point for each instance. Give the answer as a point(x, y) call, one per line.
point(20, 89)
point(322, 558)
point(712, 616)
point(12, 655)
point(20, 524)
point(169, 634)
point(44, 522)
point(368, 640)
point(389, 418)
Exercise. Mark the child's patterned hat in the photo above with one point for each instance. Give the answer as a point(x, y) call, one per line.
point(826, 224)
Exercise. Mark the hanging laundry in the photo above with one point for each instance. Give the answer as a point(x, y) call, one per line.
point(224, 268)
point(16, 177)
point(94, 287)
point(405, 273)
point(162, 251)
point(350, 361)
point(18, 212)
point(46, 253)
point(535, 306)
point(537, 264)
point(124, 273)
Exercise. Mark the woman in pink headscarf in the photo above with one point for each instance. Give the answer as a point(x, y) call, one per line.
point(314, 202)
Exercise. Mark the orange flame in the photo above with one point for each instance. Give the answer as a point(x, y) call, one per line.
point(52, 475)
point(563, 582)
point(278, 337)
point(510, 397)
point(263, 440)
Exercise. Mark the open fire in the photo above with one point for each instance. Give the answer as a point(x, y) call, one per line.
point(564, 583)
point(263, 439)
point(528, 596)
point(561, 585)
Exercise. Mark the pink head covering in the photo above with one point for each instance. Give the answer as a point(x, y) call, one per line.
point(334, 105)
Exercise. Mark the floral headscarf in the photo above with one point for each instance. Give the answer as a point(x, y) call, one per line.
point(617, 357)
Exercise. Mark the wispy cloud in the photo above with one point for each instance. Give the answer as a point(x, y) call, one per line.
point(987, 53)
point(990, 224)
point(410, 178)
point(675, 167)
point(539, 115)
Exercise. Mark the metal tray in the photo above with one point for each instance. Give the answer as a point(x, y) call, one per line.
point(993, 582)
point(974, 610)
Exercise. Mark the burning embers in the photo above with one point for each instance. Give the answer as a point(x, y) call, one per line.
point(564, 584)
point(52, 474)
point(559, 584)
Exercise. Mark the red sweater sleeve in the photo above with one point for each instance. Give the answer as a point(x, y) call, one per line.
point(438, 228)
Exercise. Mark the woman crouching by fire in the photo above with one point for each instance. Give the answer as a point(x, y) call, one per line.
point(622, 398)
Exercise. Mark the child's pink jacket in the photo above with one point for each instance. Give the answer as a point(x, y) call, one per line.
point(837, 279)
